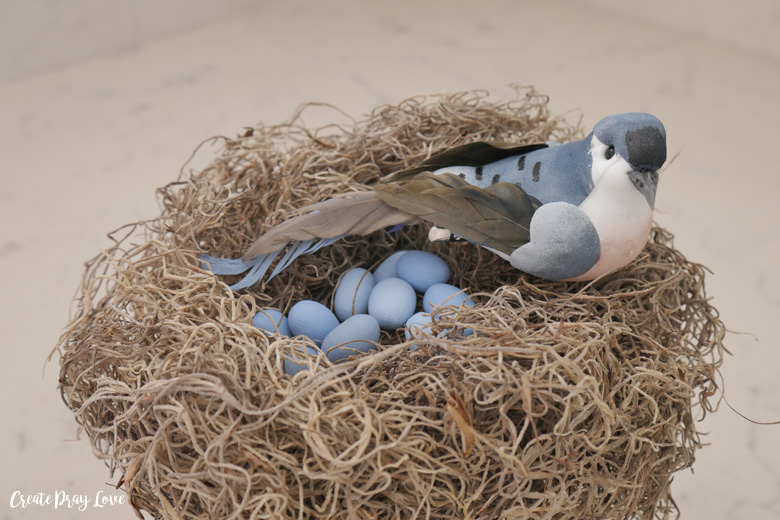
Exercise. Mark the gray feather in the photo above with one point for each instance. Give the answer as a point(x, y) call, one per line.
point(224, 266)
point(257, 269)
point(498, 216)
point(302, 248)
point(358, 213)
point(473, 154)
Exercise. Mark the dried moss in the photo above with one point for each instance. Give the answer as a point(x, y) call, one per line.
point(572, 401)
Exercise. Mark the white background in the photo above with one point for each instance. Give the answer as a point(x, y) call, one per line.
point(104, 97)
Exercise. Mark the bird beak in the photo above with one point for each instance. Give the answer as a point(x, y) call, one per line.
point(647, 183)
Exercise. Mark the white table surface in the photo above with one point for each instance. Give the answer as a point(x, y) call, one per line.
point(72, 138)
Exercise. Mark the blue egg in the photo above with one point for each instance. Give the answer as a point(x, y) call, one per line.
point(387, 269)
point(271, 320)
point(293, 366)
point(464, 332)
point(422, 270)
point(421, 321)
point(392, 302)
point(456, 333)
point(358, 333)
point(311, 319)
point(352, 292)
point(444, 294)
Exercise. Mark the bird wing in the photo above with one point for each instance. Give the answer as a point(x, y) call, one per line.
point(358, 213)
point(313, 228)
point(472, 154)
point(498, 216)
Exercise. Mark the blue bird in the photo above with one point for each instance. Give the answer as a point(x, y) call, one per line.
point(573, 211)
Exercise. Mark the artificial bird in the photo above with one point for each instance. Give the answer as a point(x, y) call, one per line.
point(573, 211)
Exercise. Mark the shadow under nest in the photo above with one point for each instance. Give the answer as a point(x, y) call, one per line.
point(571, 401)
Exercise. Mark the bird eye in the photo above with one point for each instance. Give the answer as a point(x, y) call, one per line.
point(610, 153)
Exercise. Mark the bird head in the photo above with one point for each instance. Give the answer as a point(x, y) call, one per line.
point(631, 145)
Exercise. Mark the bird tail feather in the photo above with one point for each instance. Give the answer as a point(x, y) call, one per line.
point(314, 227)
point(358, 213)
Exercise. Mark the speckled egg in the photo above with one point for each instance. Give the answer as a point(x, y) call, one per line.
point(311, 319)
point(387, 269)
point(422, 269)
point(272, 321)
point(292, 367)
point(444, 294)
point(352, 293)
point(358, 333)
point(392, 302)
point(419, 320)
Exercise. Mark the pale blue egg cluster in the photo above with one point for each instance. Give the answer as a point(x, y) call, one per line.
point(338, 340)
point(364, 303)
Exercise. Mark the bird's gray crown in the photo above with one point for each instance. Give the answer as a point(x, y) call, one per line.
point(638, 137)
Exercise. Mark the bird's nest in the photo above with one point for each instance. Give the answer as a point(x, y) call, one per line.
point(571, 401)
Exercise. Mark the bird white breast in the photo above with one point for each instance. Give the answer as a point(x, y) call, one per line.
point(622, 218)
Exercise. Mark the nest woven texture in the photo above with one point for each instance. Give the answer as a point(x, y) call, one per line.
point(572, 400)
